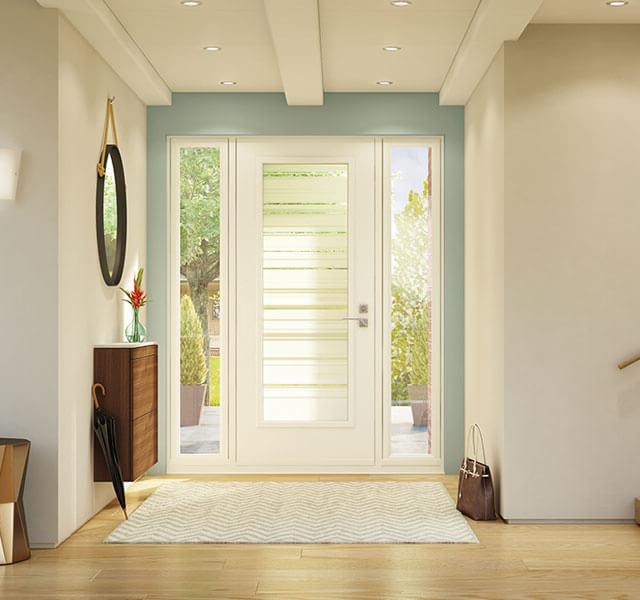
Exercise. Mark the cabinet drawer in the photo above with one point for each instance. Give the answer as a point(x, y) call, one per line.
point(143, 386)
point(144, 442)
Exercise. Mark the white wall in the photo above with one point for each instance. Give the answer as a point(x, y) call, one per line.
point(54, 305)
point(28, 253)
point(89, 311)
point(484, 263)
point(572, 265)
point(571, 261)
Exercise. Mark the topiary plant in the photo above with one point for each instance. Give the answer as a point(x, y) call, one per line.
point(193, 368)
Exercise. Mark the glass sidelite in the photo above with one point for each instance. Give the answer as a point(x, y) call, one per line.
point(200, 347)
point(305, 297)
point(411, 298)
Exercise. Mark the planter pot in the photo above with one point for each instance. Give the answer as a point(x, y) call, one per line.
point(420, 404)
point(191, 402)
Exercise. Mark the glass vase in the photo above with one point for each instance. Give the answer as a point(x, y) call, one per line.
point(135, 331)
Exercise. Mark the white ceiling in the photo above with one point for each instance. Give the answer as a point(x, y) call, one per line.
point(353, 33)
point(172, 37)
point(587, 11)
point(305, 47)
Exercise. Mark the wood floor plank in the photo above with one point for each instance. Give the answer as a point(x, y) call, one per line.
point(367, 563)
point(511, 562)
point(82, 595)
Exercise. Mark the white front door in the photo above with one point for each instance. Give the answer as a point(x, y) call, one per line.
point(305, 351)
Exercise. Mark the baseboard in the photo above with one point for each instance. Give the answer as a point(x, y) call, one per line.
point(43, 545)
point(568, 521)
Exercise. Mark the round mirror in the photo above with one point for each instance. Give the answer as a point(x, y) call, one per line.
point(111, 217)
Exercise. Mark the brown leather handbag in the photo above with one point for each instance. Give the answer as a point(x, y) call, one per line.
point(475, 485)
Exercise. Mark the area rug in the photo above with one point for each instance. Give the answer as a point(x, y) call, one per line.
point(376, 512)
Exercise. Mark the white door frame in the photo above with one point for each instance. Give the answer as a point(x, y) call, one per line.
point(226, 461)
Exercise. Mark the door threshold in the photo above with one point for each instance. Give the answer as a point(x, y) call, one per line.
point(298, 470)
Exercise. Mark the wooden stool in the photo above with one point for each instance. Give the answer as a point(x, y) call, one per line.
point(14, 542)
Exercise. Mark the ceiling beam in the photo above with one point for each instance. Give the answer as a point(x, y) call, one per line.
point(295, 30)
point(494, 22)
point(101, 28)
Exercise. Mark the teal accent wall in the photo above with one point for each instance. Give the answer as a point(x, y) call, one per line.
point(342, 114)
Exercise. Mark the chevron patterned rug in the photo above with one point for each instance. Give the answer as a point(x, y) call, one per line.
point(376, 512)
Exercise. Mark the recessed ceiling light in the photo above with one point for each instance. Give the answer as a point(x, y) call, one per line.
point(384, 82)
point(228, 82)
point(400, 3)
point(212, 48)
point(617, 3)
point(392, 48)
point(190, 3)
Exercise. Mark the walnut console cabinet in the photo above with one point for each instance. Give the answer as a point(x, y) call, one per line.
point(129, 374)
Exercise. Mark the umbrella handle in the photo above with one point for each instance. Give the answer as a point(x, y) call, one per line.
point(93, 393)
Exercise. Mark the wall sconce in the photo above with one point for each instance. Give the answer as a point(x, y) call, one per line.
point(9, 169)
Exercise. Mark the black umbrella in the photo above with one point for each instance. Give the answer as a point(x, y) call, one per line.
point(105, 429)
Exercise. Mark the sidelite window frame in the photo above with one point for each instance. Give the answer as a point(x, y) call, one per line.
point(176, 460)
point(338, 161)
point(435, 458)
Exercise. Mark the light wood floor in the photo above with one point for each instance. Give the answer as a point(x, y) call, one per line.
point(511, 562)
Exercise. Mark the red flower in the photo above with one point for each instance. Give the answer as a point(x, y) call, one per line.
point(136, 297)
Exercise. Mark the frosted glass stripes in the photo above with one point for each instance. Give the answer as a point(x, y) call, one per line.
point(305, 282)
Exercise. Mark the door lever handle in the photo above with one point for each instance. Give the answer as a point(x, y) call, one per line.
point(362, 321)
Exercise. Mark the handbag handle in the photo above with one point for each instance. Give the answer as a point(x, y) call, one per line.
point(474, 433)
point(476, 429)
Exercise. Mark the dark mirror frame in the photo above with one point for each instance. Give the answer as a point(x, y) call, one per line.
point(121, 207)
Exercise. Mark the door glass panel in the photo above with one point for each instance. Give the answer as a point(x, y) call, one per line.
point(411, 298)
point(200, 347)
point(305, 297)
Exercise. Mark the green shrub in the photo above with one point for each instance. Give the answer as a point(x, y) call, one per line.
point(193, 368)
point(411, 296)
point(420, 372)
point(214, 381)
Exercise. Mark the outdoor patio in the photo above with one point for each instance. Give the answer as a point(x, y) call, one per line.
point(205, 438)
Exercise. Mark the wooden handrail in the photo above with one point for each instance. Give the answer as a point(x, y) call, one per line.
point(627, 363)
